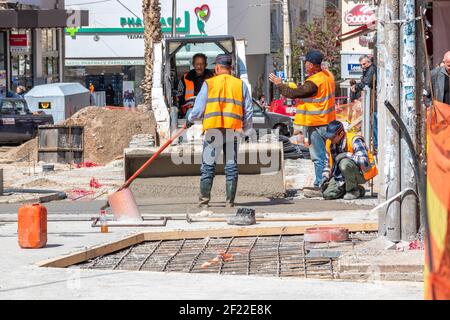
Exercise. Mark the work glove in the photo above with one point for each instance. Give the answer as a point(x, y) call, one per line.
point(323, 185)
point(189, 124)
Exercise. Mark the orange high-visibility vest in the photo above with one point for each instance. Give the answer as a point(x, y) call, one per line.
point(371, 171)
point(318, 110)
point(190, 87)
point(225, 104)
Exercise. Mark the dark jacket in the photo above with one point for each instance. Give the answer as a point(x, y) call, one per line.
point(367, 78)
point(198, 83)
point(438, 76)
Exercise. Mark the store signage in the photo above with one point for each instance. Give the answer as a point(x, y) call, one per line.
point(359, 15)
point(18, 43)
point(131, 22)
point(354, 68)
point(280, 74)
point(103, 62)
point(45, 105)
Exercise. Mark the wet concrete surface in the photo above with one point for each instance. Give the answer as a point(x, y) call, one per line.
point(161, 206)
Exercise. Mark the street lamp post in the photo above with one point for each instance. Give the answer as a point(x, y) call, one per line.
point(302, 60)
point(174, 18)
point(287, 49)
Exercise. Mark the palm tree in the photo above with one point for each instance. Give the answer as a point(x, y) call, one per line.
point(152, 33)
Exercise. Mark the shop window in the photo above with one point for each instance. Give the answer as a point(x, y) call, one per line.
point(50, 55)
point(22, 62)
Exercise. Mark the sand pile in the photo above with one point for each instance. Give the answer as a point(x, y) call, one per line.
point(25, 152)
point(106, 133)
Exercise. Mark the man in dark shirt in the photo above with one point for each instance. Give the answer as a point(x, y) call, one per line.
point(441, 82)
point(191, 83)
point(368, 76)
point(446, 90)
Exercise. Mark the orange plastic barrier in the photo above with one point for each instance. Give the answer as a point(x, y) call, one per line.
point(32, 226)
point(437, 273)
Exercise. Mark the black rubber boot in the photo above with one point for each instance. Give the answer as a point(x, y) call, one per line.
point(243, 217)
point(205, 194)
point(231, 193)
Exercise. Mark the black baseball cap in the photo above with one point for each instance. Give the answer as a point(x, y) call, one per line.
point(333, 129)
point(224, 60)
point(315, 57)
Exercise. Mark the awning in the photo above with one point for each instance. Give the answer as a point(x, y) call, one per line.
point(362, 30)
point(54, 18)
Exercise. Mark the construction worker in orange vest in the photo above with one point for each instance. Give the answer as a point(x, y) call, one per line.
point(191, 83)
point(349, 164)
point(225, 105)
point(315, 110)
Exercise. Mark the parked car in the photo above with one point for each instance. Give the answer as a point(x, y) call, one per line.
point(269, 120)
point(17, 123)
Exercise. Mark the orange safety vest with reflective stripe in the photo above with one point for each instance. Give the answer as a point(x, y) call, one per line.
point(190, 87)
point(225, 104)
point(371, 171)
point(318, 110)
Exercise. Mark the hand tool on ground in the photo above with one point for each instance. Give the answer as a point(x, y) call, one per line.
point(122, 202)
point(190, 219)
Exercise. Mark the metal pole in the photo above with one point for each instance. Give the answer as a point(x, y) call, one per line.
point(391, 165)
point(409, 213)
point(367, 115)
point(381, 91)
point(174, 18)
point(1, 182)
point(287, 48)
point(302, 69)
point(421, 109)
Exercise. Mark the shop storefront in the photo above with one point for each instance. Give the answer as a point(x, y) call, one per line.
point(110, 51)
point(32, 44)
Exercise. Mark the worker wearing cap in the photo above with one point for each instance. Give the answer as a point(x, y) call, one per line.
point(349, 164)
point(315, 110)
point(225, 105)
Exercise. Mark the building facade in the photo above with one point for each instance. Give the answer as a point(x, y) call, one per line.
point(32, 42)
point(110, 51)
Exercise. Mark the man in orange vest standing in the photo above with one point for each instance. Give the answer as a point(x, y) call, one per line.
point(349, 164)
point(191, 83)
point(225, 105)
point(315, 110)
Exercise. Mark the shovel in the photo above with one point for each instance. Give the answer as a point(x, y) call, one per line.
point(122, 202)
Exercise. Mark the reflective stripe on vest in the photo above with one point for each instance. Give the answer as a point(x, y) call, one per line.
point(224, 106)
point(371, 171)
point(190, 88)
point(318, 110)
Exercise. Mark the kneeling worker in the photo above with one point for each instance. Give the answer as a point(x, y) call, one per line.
point(348, 165)
point(225, 105)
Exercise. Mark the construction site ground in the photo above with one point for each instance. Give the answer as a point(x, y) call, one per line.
point(20, 278)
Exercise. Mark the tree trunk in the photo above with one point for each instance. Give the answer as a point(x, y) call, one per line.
point(152, 33)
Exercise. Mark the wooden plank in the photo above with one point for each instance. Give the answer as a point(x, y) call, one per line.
point(292, 219)
point(60, 149)
point(78, 257)
point(81, 256)
point(252, 231)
